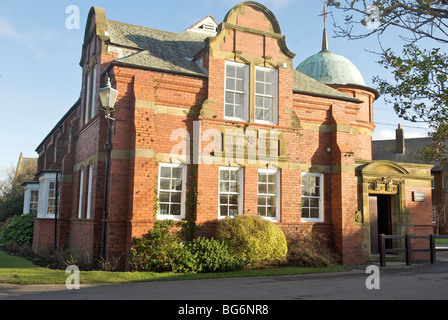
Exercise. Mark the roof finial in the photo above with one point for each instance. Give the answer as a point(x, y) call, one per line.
point(324, 38)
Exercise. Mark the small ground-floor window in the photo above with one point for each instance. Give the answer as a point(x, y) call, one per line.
point(49, 181)
point(312, 197)
point(268, 194)
point(171, 193)
point(30, 196)
point(230, 191)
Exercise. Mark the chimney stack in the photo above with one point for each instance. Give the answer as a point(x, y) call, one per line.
point(399, 140)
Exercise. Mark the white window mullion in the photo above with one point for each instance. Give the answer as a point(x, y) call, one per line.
point(269, 194)
point(312, 197)
point(34, 196)
point(171, 193)
point(230, 192)
point(266, 84)
point(236, 97)
point(46, 206)
point(51, 204)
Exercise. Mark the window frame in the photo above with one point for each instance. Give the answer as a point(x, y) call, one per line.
point(29, 188)
point(34, 200)
point(246, 91)
point(81, 193)
point(93, 93)
point(274, 97)
point(45, 180)
point(89, 192)
point(87, 111)
point(182, 192)
point(276, 218)
point(321, 197)
point(240, 192)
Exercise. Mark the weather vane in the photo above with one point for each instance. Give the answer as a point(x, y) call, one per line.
point(324, 38)
point(325, 15)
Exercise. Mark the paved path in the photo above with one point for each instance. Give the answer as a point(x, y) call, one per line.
point(396, 281)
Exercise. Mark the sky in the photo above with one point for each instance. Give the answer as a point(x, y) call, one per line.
point(40, 75)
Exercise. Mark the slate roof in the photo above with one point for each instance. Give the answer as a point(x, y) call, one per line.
point(174, 52)
point(160, 50)
point(386, 150)
point(307, 85)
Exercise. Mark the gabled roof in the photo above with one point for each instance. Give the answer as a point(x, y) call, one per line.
point(307, 85)
point(67, 114)
point(386, 150)
point(158, 49)
point(175, 52)
point(207, 25)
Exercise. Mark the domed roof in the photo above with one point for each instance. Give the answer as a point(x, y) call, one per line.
point(331, 68)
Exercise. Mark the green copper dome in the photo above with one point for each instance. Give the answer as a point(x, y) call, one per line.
point(331, 68)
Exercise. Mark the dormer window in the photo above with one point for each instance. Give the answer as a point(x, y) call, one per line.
point(206, 25)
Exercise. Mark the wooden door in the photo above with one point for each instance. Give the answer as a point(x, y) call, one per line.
point(373, 216)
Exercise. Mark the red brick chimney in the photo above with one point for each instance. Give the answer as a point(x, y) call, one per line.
point(399, 140)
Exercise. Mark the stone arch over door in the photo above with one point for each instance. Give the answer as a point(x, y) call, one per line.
point(385, 179)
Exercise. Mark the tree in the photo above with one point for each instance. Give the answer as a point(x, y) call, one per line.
point(418, 91)
point(11, 189)
point(11, 185)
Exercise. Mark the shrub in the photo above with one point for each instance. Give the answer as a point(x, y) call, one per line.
point(11, 208)
point(307, 249)
point(61, 258)
point(19, 230)
point(212, 255)
point(161, 251)
point(256, 240)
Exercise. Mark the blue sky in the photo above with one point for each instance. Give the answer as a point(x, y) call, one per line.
point(40, 76)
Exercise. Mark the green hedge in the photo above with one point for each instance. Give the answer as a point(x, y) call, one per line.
point(212, 255)
point(11, 207)
point(19, 230)
point(256, 240)
point(241, 241)
point(163, 250)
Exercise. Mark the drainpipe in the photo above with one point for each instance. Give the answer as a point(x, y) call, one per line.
point(331, 208)
point(107, 148)
point(56, 205)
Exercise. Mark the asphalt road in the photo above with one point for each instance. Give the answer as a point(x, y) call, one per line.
point(420, 281)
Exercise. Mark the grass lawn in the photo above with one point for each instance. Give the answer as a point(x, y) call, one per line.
point(18, 270)
point(442, 241)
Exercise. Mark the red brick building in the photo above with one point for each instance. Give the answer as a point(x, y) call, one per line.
point(212, 122)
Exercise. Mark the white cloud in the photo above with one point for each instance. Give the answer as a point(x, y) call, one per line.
point(389, 134)
point(384, 134)
point(32, 38)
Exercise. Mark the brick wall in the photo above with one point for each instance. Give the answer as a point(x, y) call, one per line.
point(152, 105)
